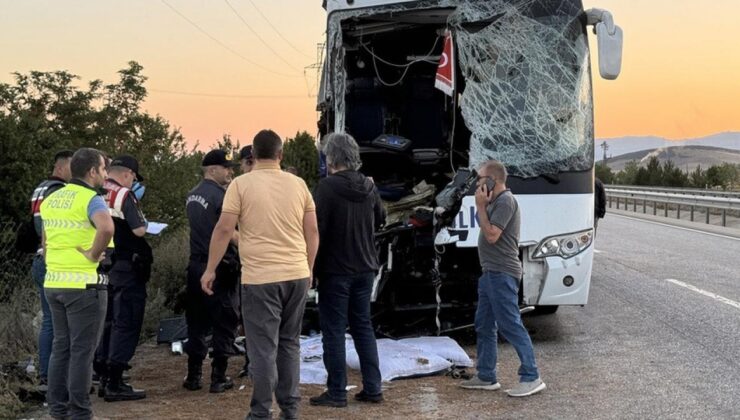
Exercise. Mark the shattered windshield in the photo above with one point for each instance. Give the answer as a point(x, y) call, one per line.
point(527, 88)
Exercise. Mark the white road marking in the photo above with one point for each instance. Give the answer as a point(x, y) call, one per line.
point(596, 251)
point(705, 293)
point(677, 227)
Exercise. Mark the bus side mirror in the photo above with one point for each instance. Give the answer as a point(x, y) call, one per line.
point(609, 38)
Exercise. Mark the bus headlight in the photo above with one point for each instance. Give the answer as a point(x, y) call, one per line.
point(564, 246)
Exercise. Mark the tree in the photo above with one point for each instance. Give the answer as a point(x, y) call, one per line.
point(697, 178)
point(43, 112)
point(654, 172)
point(673, 176)
point(724, 176)
point(628, 175)
point(300, 152)
point(604, 173)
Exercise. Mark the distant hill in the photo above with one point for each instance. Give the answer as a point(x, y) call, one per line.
point(684, 157)
point(623, 145)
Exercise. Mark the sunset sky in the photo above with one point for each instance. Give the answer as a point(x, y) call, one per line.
point(680, 75)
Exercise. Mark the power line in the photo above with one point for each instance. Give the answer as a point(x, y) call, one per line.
point(226, 95)
point(224, 46)
point(276, 30)
point(259, 37)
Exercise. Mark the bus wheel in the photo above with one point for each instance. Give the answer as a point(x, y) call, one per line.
point(545, 309)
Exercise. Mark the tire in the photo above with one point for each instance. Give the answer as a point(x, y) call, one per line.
point(545, 309)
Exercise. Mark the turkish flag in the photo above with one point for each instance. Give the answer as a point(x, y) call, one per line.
point(445, 80)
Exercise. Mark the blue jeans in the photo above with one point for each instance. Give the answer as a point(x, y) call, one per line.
point(345, 300)
point(498, 309)
point(46, 334)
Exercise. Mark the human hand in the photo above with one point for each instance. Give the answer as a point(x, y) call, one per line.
point(89, 255)
point(482, 195)
point(206, 282)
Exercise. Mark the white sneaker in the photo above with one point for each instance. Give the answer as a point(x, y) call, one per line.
point(476, 383)
point(525, 389)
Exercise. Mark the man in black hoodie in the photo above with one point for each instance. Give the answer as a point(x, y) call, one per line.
point(349, 210)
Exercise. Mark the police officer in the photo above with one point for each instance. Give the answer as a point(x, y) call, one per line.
point(246, 161)
point(219, 311)
point(77, 228)
point(132, 259)
point(60, 176)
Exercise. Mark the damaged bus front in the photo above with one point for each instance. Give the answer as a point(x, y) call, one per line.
point(430, 90)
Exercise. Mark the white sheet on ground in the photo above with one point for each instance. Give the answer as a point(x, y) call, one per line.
point(444, 347)
point(399, 360)
point(312, 367)
point(404, 358)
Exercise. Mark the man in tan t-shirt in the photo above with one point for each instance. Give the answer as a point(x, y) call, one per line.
point(278, 240)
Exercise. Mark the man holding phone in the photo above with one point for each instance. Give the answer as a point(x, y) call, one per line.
point(498, 286)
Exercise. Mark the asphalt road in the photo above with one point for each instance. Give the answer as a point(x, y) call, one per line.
point(644, 346)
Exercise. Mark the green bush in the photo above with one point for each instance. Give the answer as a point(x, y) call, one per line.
point(167, 286)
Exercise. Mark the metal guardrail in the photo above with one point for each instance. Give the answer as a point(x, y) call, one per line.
point(690, 191)
point(634, 197)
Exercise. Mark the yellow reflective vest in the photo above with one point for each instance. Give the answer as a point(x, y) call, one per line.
point(66, 226)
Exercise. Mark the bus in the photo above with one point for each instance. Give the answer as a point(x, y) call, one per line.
point(430, 90)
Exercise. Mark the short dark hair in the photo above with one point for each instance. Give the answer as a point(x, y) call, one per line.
point(63, 154)
point(83, 160)
point(266, 145)
point(494, 167)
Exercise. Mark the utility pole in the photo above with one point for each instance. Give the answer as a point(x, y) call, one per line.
point(604, 147)
point(317, 66)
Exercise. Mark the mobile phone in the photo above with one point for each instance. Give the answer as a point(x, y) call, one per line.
point(490, 183)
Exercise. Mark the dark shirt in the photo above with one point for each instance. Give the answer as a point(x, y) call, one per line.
point(348, 210)
point(502, 256)
point(126, 242)
point(203, 208)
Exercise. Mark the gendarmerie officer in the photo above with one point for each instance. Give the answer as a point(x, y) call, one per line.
point(59, 178)
point(132, 259)
point(219, 311)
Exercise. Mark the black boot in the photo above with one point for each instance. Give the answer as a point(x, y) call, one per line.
point(219, 381)
point(100, 375)
point(117, 390)
point(195, 373)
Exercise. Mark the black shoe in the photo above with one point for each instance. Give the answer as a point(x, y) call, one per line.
point(195, 374)
point(192, 384)
point(102, 383)
point(365, 397)
point(324, 400)
point(221, 386)
point(122, 392)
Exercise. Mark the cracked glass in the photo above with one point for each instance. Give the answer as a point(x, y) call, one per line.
point(527, 87)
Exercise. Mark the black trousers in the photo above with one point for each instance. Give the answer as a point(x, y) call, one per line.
point(218, 312)
point(124, 318)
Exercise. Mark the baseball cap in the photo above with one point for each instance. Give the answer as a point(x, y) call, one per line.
point(130, 162)
point(246, 152)
point(217, 157)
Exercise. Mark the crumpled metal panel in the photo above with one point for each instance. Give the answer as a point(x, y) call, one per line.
point(527, 97)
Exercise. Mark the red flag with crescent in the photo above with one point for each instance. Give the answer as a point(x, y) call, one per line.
point(445, 80)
